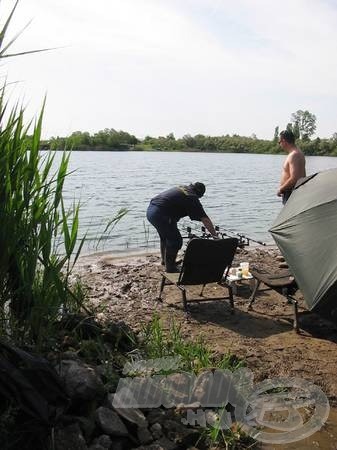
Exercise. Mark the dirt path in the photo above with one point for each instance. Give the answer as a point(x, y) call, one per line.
point(126, 288)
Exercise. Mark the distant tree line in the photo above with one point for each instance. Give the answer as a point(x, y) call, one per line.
point(303, 125)
point(107, 139)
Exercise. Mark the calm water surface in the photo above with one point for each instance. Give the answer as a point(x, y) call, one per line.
point(240, 195)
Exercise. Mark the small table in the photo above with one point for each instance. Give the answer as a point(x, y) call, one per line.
point(234, 280)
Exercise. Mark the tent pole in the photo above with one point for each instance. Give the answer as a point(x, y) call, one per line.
point(295, 305)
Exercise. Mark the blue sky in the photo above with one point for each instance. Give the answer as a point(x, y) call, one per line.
point(152, 67)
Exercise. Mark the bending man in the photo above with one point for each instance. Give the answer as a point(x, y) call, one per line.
point(164, 212)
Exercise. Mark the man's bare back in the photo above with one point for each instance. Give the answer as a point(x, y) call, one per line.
point(293, 167)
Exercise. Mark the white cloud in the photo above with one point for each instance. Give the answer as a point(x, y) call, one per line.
point(155, 66)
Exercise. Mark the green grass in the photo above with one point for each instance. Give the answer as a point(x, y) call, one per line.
point(232, 438)
point(195, 355)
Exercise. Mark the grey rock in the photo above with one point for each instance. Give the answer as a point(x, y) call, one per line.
point(81, 381)
point(161, 444)
point(87, 427)
point(70, 438)
point(179, 433)
point(104, 441)
point(144, 435)
point(164, 444)
point(172, 425)
point(176, 387)
point(110, 422)
point(120, 444)
point(156, 430)
point(156, 416)
point(210, 387)
point(133, 415)
point(70, 355)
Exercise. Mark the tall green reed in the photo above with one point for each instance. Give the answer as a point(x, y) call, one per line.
point(34, 274)
point(34, 278)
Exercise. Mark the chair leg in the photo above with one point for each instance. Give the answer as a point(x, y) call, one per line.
point(252, 297)
point(162, 251)
point(162, 285)
point(183, 292)
point(231, 298)
point(202, 290)
point(295, 305)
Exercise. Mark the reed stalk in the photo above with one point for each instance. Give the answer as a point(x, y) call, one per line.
point(34, 273)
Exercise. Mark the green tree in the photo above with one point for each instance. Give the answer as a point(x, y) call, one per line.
point(188, 141)
point(289, 126)
point(75, 140)
point(276, 134)
point(296, 130)
point(170, 137)
point(306, 123)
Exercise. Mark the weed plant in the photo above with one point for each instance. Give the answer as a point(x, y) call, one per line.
point(231, 438)
point(195, 355)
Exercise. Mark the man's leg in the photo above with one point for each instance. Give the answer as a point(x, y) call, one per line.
point(170, 238)
point(162, 250)
point(174, 242)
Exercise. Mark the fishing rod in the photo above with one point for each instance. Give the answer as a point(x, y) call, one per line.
point(244, 240)
point(242, 237)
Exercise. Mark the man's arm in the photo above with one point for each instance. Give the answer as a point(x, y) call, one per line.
point(209, 225)
point(295, 170)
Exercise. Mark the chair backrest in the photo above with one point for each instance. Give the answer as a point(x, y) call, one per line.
point(206, 260)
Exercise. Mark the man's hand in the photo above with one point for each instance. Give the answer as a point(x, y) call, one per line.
point(279, 193)
point(209, 225)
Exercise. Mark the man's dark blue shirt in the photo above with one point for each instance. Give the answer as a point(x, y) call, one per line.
point(179, 202)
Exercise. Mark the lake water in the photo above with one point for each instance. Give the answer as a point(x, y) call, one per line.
point(240, 195)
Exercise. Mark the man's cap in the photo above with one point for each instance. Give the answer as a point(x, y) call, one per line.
point(199, 188)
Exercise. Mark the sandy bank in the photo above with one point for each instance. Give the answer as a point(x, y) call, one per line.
point(124, 287)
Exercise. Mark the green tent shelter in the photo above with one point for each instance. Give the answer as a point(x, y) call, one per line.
point(306, 233)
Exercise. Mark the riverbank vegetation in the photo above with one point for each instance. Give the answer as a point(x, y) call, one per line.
point(38, 234)
point(112, 140)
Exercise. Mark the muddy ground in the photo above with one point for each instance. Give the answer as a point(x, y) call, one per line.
point(126, 289)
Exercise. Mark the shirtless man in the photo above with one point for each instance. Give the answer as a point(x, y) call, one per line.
point(293, 167)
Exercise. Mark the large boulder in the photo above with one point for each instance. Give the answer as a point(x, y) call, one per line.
point(81, 381)
point(70, 438)
point(110, 423)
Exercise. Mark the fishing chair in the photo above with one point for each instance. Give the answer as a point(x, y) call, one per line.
point(283, 283)
point(205, 261)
